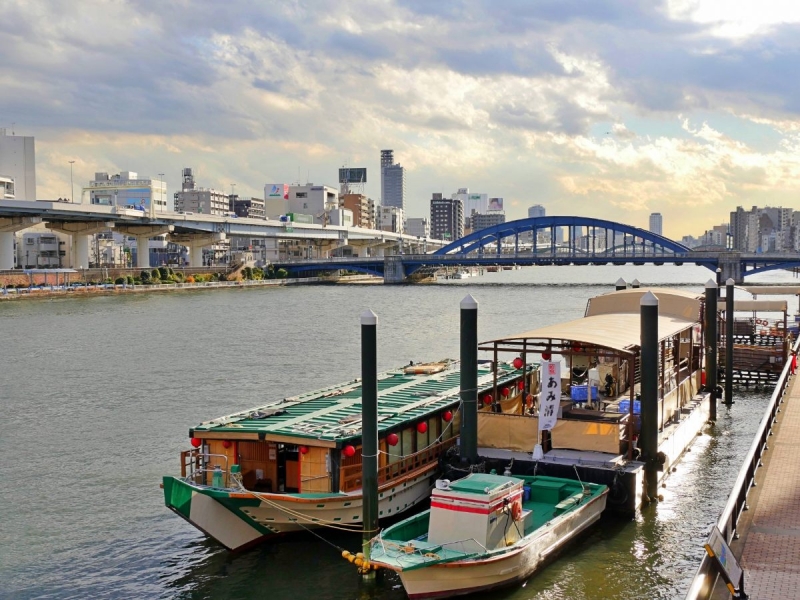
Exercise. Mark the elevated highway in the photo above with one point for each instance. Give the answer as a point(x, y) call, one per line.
point(192, 230)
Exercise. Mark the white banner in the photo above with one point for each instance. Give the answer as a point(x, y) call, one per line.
point(550, 396)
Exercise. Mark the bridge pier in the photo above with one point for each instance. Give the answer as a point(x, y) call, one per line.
point(732, 268)
point(8, 227)
point(393, 270)
point(195, 243)
point(80, 232)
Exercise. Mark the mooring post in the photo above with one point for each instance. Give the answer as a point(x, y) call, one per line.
point(469, 379)
point(729, 341)
point(635, 284)
point(719, 282)
point(648, 307)
point(711, 347)
point(369, 431)
point(621, 284)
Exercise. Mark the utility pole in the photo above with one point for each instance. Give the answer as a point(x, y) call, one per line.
point(71, 186)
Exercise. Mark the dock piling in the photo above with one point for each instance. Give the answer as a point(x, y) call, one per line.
point(635, 284)
point(469, 379)
point(620, 285)
point(369, 426)
point(711, 347)
point(648, 307)
point(729, 342)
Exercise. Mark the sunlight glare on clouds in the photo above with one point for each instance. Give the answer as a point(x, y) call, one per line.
point(737, 18)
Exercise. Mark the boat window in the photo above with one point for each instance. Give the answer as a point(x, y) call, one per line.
point(408, 440)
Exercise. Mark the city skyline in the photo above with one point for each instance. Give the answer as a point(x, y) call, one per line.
point(682, 108)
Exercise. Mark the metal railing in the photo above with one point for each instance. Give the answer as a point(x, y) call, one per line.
point(704, 580)
point(195, 469)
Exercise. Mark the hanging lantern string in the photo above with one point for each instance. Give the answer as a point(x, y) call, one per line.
point(434, 442)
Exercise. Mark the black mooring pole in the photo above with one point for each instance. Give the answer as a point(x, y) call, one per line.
point(711, 347)
point(469, 379)
point(719, 282)
point(729, 341)
point(369, 430)
point(648, 438)
point(621, 285)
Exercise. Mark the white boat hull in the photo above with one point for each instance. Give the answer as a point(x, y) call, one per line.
point(501, 568)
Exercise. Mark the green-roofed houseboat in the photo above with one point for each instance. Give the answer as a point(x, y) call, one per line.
point(296, 463)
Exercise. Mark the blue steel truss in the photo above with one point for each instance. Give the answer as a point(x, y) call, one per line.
point(585, 237)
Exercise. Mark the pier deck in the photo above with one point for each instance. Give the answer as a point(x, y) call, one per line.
point(769, 544)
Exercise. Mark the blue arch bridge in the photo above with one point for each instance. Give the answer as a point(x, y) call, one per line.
point(557, 240)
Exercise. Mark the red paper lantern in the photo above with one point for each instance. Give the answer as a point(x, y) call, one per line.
point(303, 449)
point(349, 451)
point(487, 399)
point(521, 386)
point(392, 438)
point(422, 427)
point(546, 355)
point(517, 363)
point(197, 442)
point(576, 347)
point(505, 392)
point(447, 416)
point(227, 444)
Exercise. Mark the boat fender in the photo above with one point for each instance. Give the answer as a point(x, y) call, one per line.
point(719, 392)
point(516, 511)
point(432, 555)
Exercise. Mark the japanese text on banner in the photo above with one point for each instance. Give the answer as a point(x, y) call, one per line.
point(550, 396)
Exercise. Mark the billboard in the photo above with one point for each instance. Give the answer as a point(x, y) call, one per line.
point(495, 204)
point(353, 175)
point(276, 190)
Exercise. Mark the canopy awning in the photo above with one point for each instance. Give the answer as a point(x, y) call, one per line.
point(678, 303)
point(759, 305)
point(619, 332)
point(772, 290)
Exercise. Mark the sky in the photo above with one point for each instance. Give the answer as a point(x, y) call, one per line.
point(595, 108)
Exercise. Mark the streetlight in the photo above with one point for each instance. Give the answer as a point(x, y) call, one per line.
point(71, 186)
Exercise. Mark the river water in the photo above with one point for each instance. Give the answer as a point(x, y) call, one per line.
point(98, 395)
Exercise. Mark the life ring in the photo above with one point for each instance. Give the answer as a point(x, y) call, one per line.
point(516, 511)
point(761, 322)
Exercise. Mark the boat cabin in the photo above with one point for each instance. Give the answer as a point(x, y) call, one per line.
point(599, 407)
point(311, 443)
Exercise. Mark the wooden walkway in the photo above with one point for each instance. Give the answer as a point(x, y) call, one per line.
point(769, 544)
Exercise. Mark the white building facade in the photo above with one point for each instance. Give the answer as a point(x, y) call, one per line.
point(128, 190)
point(656, 223)
point(7, 188)
point(18, 162)
point(391, 218)
point(314, 200)
point(418, 226)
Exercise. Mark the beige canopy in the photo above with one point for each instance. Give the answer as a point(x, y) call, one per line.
point(619, 332)
point(772, 290)
point(758, 305)
point(678, 303)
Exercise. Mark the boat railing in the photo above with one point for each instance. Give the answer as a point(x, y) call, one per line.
point(703, 583)
point(351, 474)
point(196, 467)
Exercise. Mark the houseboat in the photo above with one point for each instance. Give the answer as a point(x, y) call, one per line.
point(598, 422)
point(295, 463)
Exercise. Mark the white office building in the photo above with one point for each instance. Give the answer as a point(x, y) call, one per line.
point(393, 181)
point(128, 190)
point(314, 200)
point(18, 162)
point(391, 218)
point(656, 223)
point(418, 226)
point(39, 250)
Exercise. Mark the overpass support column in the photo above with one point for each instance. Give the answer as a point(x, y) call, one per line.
point(9, 226)
point(731, 265)
point(143, 251)
point(195, 242)
point(80, 246)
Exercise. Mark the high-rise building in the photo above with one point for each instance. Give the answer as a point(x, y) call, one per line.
point(393, 181)
point(362, 207)
point(447, 218)
point(656, 223)
point(478, 221)
point(536, 211)
point(18, 162)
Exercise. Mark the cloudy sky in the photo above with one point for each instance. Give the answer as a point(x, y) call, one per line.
point(606, 109)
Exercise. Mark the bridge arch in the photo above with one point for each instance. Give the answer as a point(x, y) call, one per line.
point(598, 237)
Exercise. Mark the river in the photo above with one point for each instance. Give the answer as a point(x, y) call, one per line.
point(98, 395)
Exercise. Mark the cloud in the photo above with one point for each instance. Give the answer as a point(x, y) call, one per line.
point(513, 98)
